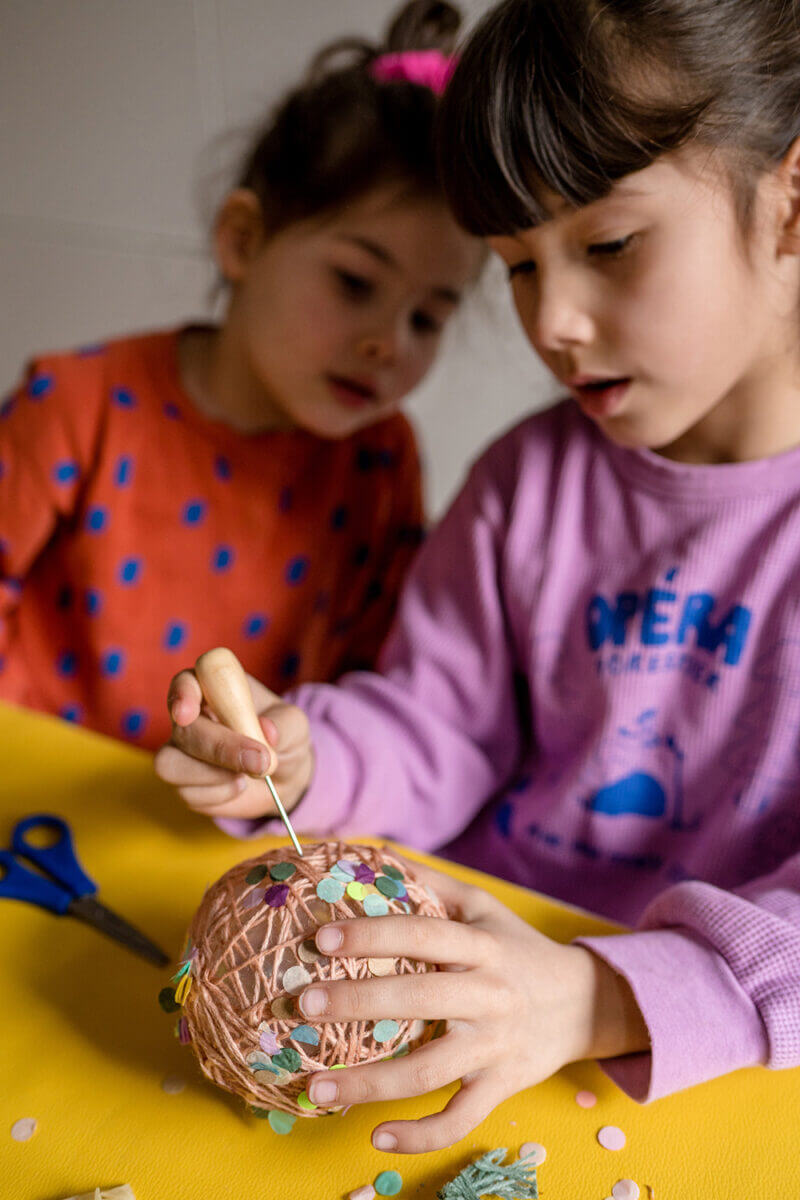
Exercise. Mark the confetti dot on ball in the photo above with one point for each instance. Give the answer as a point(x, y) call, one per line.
point(388, 1183)
point(536, 1151)
point(625, 1189)
point(355, 890)
point(248, 962)
point(611, 1138)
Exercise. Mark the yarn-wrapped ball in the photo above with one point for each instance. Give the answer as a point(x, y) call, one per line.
point(251, 951)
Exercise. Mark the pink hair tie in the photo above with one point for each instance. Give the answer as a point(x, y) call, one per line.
point(428, 68)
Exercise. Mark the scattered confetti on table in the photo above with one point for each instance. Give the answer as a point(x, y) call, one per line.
point(388, 1183)
point(280, 1122)
point(172, 1085)
point(625, 1189)
point(367, 1192)
point(536, 1151)
point(585, 1099)
point(611, 1137)
point(23, 1129)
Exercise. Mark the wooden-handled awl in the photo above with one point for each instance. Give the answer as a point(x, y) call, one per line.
point(225, 687)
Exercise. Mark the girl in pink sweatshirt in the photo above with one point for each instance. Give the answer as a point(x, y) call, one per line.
point(592, 686)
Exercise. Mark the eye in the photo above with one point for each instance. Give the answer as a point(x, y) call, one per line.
point(422, 322)
point(355, 286)
point(526, 267)
point(611, 249)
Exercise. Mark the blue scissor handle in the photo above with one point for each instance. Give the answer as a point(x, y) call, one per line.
point(58, 860)
point(18, 883)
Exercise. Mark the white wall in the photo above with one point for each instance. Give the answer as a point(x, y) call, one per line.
point(114, 143)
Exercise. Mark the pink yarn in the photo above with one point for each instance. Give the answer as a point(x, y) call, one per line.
point(428, 68)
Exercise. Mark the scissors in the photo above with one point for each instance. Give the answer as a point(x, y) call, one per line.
point(65, 888)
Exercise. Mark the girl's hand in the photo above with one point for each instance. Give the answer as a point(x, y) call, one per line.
point(221, 773)
point(518, 1007)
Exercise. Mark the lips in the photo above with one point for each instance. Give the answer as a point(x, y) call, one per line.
point(599, 395)
point(353, 392)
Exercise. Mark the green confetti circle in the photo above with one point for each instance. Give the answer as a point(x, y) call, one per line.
point(288, 1058)
point(388, 1183)
point(166, 998)
point(256, 874)
point(393, 872)
point(375, 906)
point(282, 870)
point(330, 889)
point(384, 1031)
point(389, 887)
point(281, 1122)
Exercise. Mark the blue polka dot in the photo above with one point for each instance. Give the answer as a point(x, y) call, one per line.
point(2, 663)
point(255, 625)
point(365, 459)
point(71, 712)
point(65, 597)
point(65, 470)
point(222, 558)
point(13, 585)
point(96, 519)
point(4, 546)
point(222, 467)
point(361, 554)
point(39, 386)
point(387, 458)
point(7, 407)
point(130, 570)
point(93, 601)
point(123, 471)
point(339, 517)
point(133, 722)
point(174, 635)
point(285, 500)
point(67, 663)
point(194, 511)
point(90, 351)
point(297, 569)
point(172, 411)
point(2, 468)
point(112, 662)
point(123, 397)
point(290, 665)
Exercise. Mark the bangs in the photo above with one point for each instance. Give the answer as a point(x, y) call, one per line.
point(535, 105)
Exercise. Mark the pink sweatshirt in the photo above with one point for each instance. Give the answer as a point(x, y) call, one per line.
point(592, 689)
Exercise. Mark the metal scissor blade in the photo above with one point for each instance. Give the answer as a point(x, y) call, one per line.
point(102, 918)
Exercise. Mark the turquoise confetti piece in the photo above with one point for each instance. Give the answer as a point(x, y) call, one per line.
point(375, 906)
point(388, 1183)
point(384, 1031)
point(280, 1122)
point(330, 889)
point(304, 1033)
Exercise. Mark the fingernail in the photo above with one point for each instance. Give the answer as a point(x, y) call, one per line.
point(328, 938)
point(313, 1002)
point(384, 1141)
point(242, 781)
point(324, 1092)
point(254, 762)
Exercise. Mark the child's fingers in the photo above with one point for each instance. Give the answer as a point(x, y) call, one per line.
point(425, 939)
point(177, 768)
point(429, 995)
point(463, 900)
point(212, 742)
point(465, 1110)
point(425, 1070)
point(208, 800)
point(184, 698)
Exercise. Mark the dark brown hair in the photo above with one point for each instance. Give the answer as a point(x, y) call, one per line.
point(341, 132)
point(571, 95)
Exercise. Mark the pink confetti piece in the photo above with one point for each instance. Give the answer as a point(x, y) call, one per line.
point(275, 896)
point(611, 1137)
point(23, 1129)
point(253, 899)
point(586, 1099)
point(268, 1042)
point(625, 1189)
point(172, 1085)
point(536, 1150)
point(367, 1192)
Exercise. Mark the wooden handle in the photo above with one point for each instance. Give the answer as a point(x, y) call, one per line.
point(225, 687)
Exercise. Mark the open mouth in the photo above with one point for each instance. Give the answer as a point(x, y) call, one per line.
point(353, 393)
point(600, 396)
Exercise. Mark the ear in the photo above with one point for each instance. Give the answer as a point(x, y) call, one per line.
point(238, 233)
point(788, 177)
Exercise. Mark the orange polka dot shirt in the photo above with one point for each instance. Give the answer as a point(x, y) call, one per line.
point(135, 533)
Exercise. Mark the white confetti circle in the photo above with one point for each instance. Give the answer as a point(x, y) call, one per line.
point(23, 1129)
point(536, 1150)
point(625, 1189)
point(295, 979)
point(172, 1084)
point(585, 1099)
point(611, 1137)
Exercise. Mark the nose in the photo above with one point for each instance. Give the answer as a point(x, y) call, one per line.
point(377, 348)
point(557, 316)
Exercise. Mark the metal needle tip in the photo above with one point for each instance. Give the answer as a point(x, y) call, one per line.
point(283, 814)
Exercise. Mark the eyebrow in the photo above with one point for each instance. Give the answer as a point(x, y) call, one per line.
point(383, 256)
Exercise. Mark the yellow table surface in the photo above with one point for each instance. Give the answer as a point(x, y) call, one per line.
point(84, 1045)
